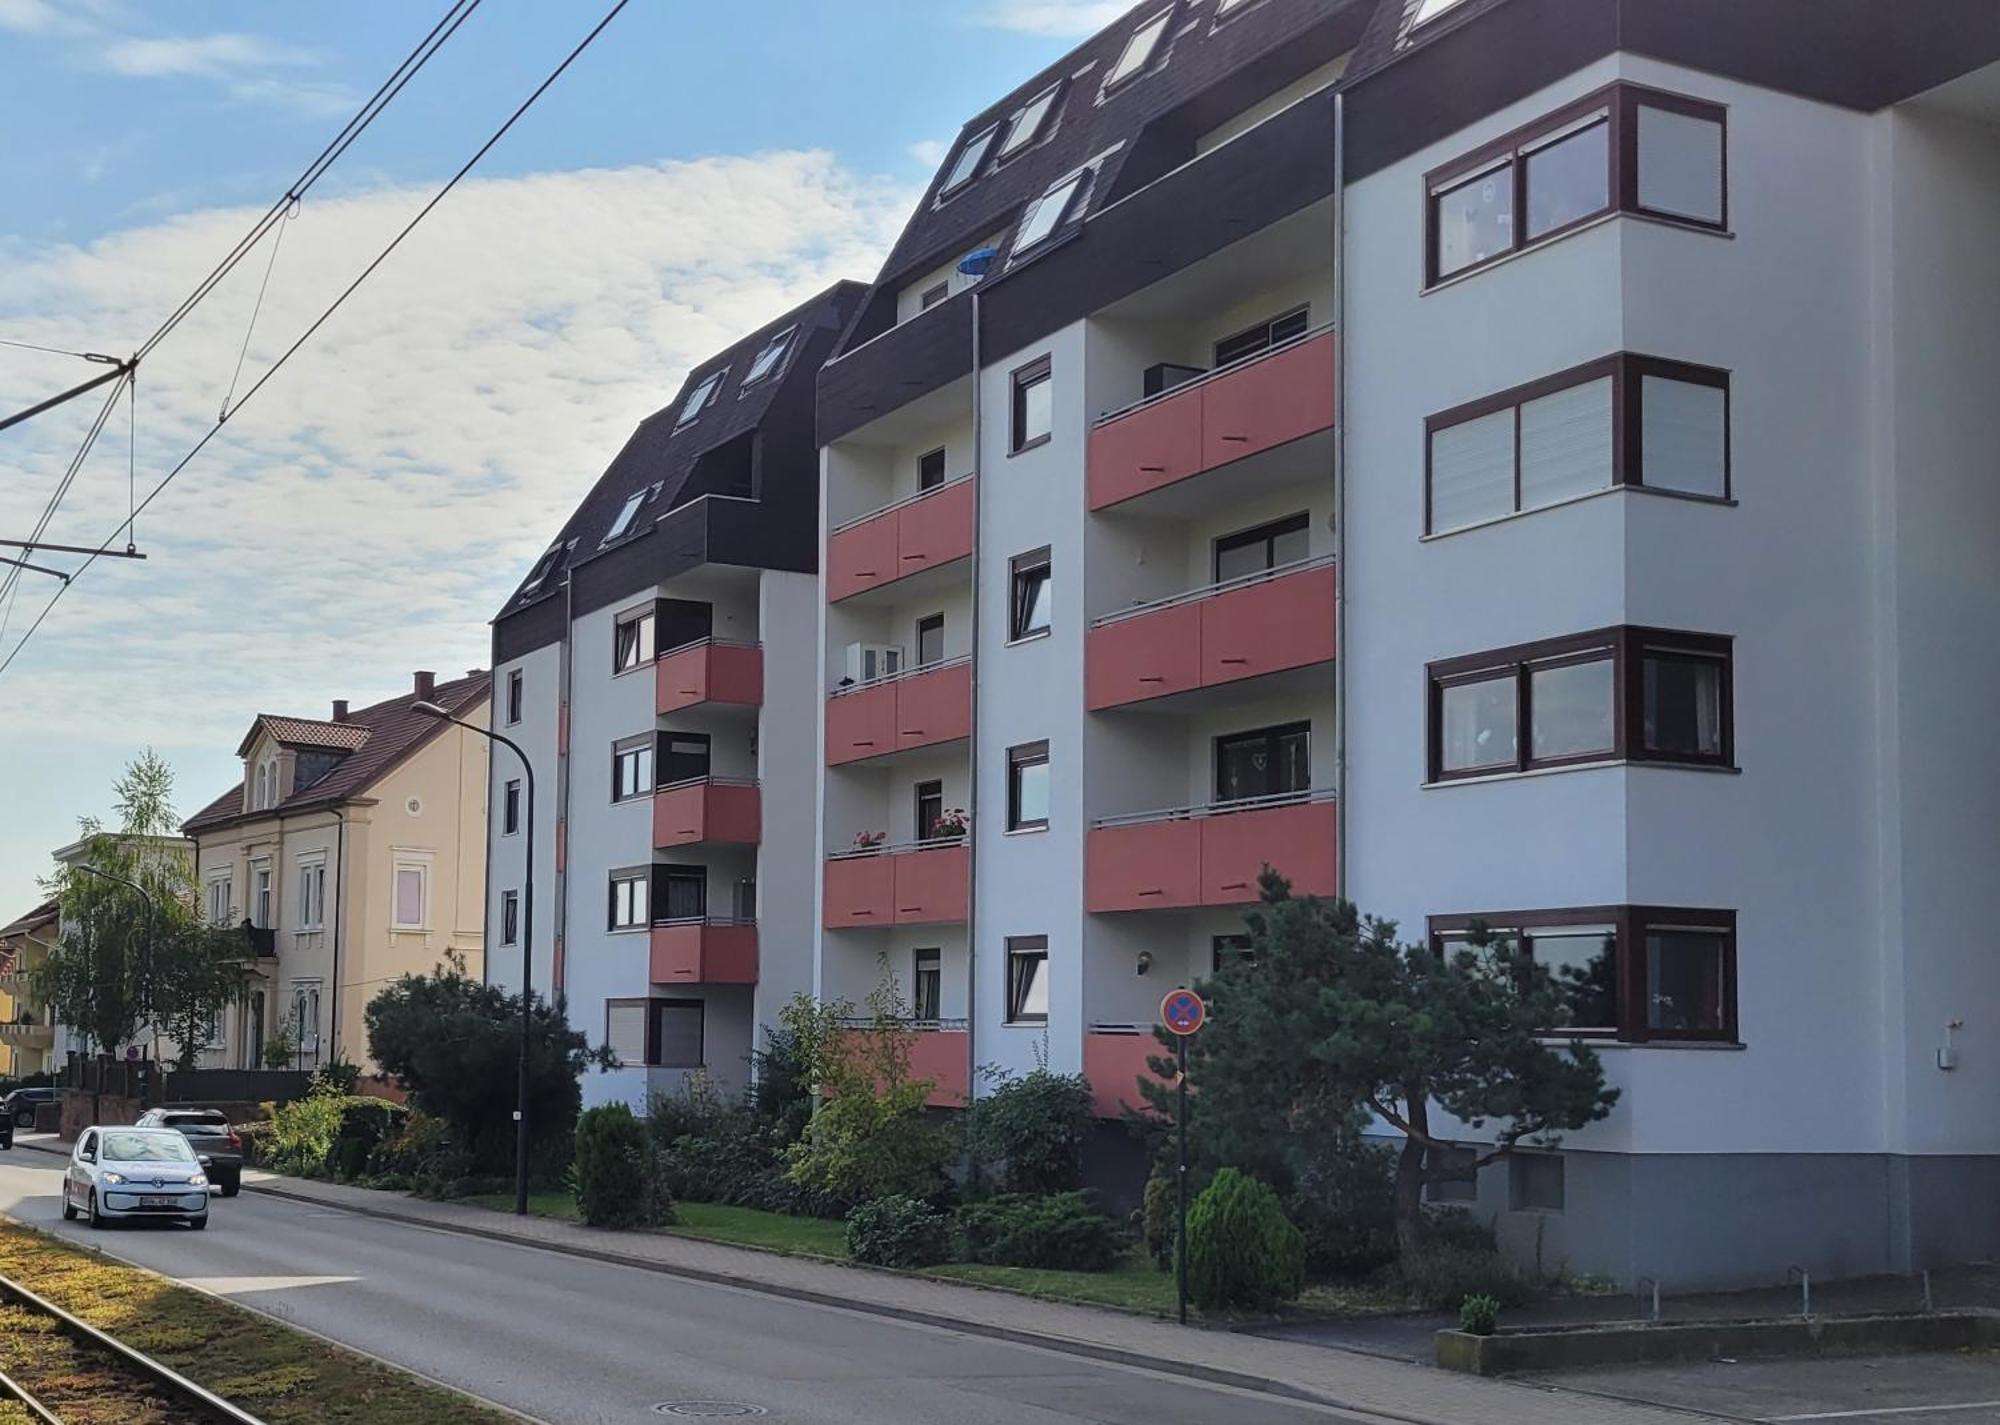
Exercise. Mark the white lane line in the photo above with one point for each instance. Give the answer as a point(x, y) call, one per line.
point(1887, 1410)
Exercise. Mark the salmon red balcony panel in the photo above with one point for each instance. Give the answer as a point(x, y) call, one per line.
point(1147, 865)
point(705, 952)
point(1210, 856)
point(709, 672)
point(1114, 1060)
point(932, 885)
point(939, 1055)
point(921, 708)
point(1295, 840)
point(1239, 630)
point(709, 810)
point(923, 883)
point(860, 891)
point(931, 530)
point(1213, 421)
point(861, 723)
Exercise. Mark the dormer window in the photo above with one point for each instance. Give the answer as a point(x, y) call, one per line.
point(1139, 50)
point(544, 567)
point(1049, 212)
point(699, 397)
point(625, 516)
point(1026, 125)
point(967, 164)
point(771, 357)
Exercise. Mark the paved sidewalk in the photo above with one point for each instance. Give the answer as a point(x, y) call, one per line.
point(1393, 1390)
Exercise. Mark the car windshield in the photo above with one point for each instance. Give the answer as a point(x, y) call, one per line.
point(146, 1148)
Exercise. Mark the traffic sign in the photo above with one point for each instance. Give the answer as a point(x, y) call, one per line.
point(1182, 1012)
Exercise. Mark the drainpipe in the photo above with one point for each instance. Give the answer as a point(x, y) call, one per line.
point(972, 834)
point(339, 927)
point(565, 725)
point(1340, 494)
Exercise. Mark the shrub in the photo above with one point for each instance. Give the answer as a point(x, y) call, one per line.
point(1455, 1227)
point(862, 1145)
point(303, 1131)
point(1063, 1231)
point(617, 1180)
point(1344, 1202)
point(1031, 1132)
point(256, 1143)
point(1157, 1216)
point(1479, 1315)
point(364, 1123)
point(1440, 1277)
point(898, 1232)
point(412, 1150)
point(1241, 1251)
point(339, 1072)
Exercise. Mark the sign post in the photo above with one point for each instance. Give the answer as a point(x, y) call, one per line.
point(1182, 1011)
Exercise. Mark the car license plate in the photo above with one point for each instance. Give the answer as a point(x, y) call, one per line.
point(156, 1202)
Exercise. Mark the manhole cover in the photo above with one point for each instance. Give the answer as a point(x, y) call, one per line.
point(707, 1409)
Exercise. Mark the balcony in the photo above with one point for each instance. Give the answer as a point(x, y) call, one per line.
point(918, 883)
point(1215, 420)
point(1114, 1060)
point(709, 671)
point(704, 950)
point(27, 1034)
point(1260, 623)
point(938, 1052)
point(925, 532)
point(707, 809)
point(1210, 855)
point(921, 707)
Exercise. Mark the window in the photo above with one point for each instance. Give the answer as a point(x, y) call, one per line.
point(412, 895)
point(1255, 551)
point(1226, 950)
point(1029, 606)
point(305, 1016)
point(929, 986)
point(630, 897)
point(1027, 979)
point(933, 295)
point(259, 801)
point(1254, 341)
point(683, 892)
point(677, 1033)
point(930, 640)
point(1463, 1183)
point(1633, 973)
point(768, 360)
point(930, 808)
point(930, 470)
point(632, 641)
point(514, 687)
point(1224, 8)
point(312, 896)
point(544, 567)
point(1636, 694)
point(1622, 149)
point(1535, 1182)
point(684, 756)
point(510, 808)
point(1026, 125)
point(1270, 762)
point(698, 399)
point(1139, 49)
point(510, 917)
point(625, 1030)
point(626, 515)
point(1430, 10)
point(631, 769)
point(1048, 213)
point(1622, 420)
point(1028, 787)
point(260, 896)
point(218, 901)
point(966, 166)
point(1034, 406)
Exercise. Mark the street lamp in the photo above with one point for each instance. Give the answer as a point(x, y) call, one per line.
point(429, 709)
point(146, 964)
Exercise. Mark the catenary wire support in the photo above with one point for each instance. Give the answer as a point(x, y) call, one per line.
point(270, 265)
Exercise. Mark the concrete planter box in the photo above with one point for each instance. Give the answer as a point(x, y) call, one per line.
point(1555, 1348)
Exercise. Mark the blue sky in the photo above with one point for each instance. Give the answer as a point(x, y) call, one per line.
point(702, 167)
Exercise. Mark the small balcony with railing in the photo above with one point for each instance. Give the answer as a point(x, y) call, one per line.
point(702, 810)
point(906, 547)
point(1114, 1061)
point(1211, 855)
point(710, 673)
point(906, 711)
point(876, 885)
point(704, 950)
point(938, 1051)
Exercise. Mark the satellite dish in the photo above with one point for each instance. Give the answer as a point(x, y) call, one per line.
point(976, 263)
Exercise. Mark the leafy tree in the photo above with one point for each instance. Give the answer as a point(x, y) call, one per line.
point(453, 1044)
point(198, 971)
point(1331, 1020)
point(1031, 1131)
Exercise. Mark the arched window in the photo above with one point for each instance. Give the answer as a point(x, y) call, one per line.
point(257, 802)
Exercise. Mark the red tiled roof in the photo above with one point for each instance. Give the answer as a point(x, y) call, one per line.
point(305, 732)
point(391, 731)
point(44, 914)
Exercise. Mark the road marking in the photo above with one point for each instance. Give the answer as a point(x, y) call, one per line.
point(232, 1286)
point(1888, 1410)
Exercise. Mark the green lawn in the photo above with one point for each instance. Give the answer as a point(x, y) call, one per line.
point(1134, 1284)
point(712, 1222)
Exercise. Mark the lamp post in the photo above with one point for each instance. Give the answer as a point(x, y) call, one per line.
point(429, 709)
point(145, 966)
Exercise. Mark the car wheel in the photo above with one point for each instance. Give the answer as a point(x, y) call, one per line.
point(69, 1210)
point(197, 1223)
point(96, 1217)
point(24, 1118)
point(232, 1187)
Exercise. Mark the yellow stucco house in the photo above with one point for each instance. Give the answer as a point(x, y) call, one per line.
point(353, 852)
point(27, 1038)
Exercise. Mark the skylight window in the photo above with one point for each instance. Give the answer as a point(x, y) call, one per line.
point(699, 398)
point(1026, 125)
point(544, 567)
point(1228, 7)
point(969, 159)
point(768, 359)
point(1139, 49)
point(1048, 213)
point(625, 516)
point(1428, 10)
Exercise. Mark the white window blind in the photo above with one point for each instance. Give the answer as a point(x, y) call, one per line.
point(1566, 443)
point(680, 1035)
point(1683, 431)
point(625, 1031)
point(1680, 164)
point(1472, 471)
point(410, 895)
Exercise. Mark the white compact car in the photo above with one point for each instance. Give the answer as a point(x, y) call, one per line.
point(117, 1173)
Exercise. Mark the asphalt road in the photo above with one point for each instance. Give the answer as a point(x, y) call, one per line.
point(567, 1340)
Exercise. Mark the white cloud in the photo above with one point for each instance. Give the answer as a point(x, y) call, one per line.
point(1053, 17)
point(212, 55)
point(928, 152)
point(368, 512)
point(28, 16)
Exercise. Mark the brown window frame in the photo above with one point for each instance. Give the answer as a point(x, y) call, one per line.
point(927, 462)
point(1627, 646)
point(1022, 947)
point(1631, 924)
point(921, 793)
point(1023, 377)
point(653, 1005)
point(1627, 371)
point(1028, 754)
point(633, 619)
point(1620, 102)
point(1021, 598)
point(933, 295)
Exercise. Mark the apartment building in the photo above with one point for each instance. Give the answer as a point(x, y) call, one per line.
point(1506, 459)
point(27, 1029)
point(657, 670)
point(352, 853)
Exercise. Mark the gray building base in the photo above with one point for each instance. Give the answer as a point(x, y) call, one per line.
point(1708, 1221)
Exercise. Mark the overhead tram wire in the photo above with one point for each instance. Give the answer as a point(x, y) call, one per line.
point(11, 579)
point(307, 335)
